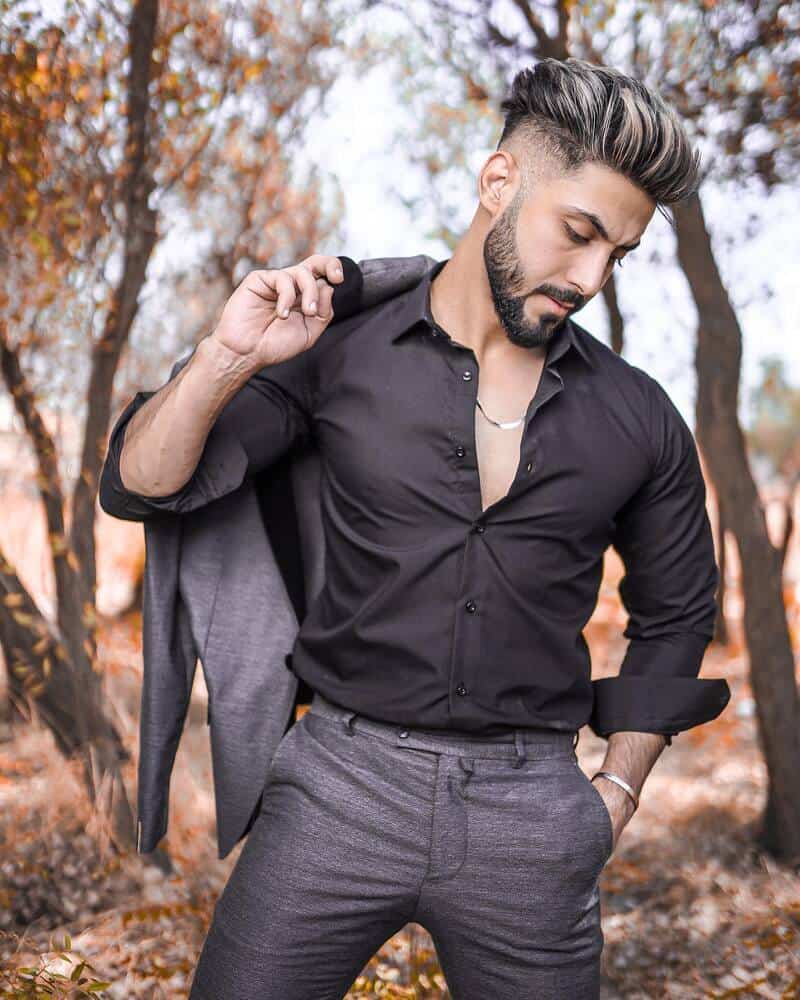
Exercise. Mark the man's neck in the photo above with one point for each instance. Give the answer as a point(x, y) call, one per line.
point(461, 304)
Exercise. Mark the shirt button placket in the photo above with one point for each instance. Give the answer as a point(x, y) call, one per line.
point(466, 645)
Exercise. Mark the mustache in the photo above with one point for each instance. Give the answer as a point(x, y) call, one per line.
point(565, 300)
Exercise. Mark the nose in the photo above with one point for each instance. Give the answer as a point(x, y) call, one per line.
point(589, 274)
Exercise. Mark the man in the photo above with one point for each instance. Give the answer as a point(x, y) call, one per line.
point(480, 453)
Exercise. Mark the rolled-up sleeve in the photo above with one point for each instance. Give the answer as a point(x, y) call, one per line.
point(664, 539)
point(270, 413)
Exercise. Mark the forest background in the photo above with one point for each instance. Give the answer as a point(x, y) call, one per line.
point(151, 154)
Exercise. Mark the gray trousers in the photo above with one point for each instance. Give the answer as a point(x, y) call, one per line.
point(493, 845)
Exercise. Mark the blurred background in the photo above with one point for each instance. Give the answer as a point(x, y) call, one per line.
point(151, 154)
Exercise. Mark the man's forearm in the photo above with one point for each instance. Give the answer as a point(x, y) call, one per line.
point(631, 755)
point(164, 440)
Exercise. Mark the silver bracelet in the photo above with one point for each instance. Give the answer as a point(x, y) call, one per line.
point(622, 784)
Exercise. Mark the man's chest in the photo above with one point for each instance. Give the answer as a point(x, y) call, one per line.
point(406, 453)
point(497, 455)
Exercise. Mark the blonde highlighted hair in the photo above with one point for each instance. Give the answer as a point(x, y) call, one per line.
point(562, 114)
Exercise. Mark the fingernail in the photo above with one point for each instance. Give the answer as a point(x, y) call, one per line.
point(312, 307)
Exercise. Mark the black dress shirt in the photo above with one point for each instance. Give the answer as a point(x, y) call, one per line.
point(437, 614)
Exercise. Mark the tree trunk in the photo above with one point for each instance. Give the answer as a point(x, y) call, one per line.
point(58, 676)
point(615, 321)
point(721, 626)
point(772, 674)
point(44, 682)
point(788, 521)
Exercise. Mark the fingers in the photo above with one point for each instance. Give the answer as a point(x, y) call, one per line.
point(308, 284)
point(295, 285)
point(325, 303)
point(325, 266)
point(314, 278)
point(286, 291)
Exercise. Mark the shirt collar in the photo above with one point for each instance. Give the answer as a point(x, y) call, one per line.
point(414, 312)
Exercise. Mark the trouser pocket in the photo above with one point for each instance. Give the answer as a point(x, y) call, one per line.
point(280, 752)
point(599, 807)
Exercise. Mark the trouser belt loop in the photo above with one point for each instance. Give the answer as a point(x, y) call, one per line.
point(519, 743)
point(348, 723)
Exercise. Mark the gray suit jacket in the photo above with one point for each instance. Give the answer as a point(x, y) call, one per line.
point(228, 583)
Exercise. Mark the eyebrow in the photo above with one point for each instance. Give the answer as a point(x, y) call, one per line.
point(598, 225)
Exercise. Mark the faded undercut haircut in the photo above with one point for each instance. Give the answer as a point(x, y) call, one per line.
point(563, 114)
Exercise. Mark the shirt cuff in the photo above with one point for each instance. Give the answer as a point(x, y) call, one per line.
point(222, 469)
point(653, 704)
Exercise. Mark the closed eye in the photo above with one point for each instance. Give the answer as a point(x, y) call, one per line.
point(577, 238)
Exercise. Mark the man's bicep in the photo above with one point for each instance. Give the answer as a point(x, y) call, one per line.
point(664, 539)
point(264, 419)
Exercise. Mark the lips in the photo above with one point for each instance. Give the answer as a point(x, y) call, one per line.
point(559, 305)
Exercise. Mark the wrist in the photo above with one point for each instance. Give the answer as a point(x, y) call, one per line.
point(224, 362)
point(617, 801)
point(625, 789)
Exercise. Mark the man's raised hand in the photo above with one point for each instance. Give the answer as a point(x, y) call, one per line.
point(274, 315)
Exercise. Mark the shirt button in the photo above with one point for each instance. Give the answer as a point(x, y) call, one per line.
point(467, 375)
point(461, 451)
point(529, 466)
point(479, 528)
point(471, 606)
point(461, 689)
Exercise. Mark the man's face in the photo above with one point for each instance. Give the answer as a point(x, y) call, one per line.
point(530, 254)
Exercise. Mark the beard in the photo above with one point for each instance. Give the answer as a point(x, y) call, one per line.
point(506, 277)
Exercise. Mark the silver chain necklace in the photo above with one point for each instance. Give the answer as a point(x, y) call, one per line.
point(506, 425)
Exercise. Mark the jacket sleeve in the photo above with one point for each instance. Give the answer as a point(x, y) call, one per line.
point(664, 539)
point(270, 414)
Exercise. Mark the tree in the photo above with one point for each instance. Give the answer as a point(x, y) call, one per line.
point(103, 122)
point(774, 435)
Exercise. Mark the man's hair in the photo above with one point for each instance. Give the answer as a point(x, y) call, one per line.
point(562, 114)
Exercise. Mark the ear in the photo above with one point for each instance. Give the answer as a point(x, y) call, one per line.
point(375, 280)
